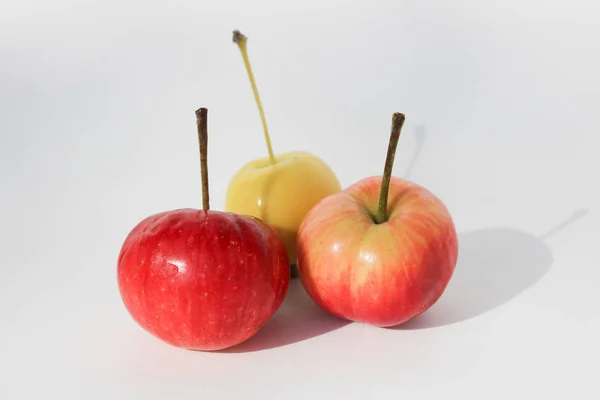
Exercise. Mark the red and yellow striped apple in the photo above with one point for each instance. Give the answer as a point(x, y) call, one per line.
point(382, 262)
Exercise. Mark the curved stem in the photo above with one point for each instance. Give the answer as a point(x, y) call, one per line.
point(397, 123)
point(240, 40)
point(202, 123)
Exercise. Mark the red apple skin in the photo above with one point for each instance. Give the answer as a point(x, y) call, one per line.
point(379, 274)
point(202, 280)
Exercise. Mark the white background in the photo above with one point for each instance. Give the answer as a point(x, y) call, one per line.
point(97, 131)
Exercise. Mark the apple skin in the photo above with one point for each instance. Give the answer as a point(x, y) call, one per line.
point(202, 280)
point(283, 193)
point(379, 274)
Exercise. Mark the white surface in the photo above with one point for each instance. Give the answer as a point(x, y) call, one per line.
point(97, 130)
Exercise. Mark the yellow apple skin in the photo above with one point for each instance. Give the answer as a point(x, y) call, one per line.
point(281, 194)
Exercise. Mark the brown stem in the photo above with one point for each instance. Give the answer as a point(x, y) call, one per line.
point(397, 123)
point(202, 123)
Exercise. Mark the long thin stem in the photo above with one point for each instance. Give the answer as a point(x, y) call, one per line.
point(202, 123)
point(397, 123)
point(240, 40)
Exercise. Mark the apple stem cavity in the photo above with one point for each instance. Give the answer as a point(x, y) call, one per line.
point(397, 123)
point(240, 40)
point(202, 123)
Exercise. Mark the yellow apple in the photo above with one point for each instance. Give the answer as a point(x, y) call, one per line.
point(279, 189)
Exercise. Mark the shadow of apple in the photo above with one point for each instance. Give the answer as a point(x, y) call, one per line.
point(494, 266)
point(299, 318)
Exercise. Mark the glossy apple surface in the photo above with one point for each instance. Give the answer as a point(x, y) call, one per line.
point(202, 280)
point(381, 274)
point(279, 189)
point(281, 194)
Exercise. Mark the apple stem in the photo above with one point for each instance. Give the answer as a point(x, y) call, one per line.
point(240, 40)
point(397, 123)
point(202, 123)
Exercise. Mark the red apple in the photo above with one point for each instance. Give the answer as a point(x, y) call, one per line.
point(365, 261)
point(202, 279)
